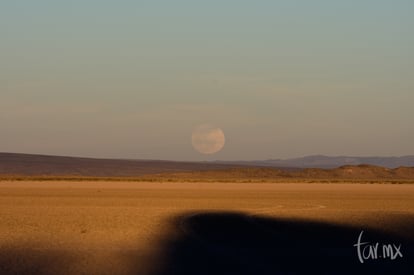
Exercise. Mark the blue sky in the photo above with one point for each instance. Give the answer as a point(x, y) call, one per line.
point(133, 78)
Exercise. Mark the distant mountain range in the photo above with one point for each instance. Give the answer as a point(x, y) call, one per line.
point(320, 161)
point(42, 165)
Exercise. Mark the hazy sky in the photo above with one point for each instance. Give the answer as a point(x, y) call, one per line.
point(131, 79)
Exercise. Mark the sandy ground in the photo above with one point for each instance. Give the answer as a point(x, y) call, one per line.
point(116, 227)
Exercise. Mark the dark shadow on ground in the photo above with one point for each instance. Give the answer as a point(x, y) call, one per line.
point(218, 243)
point(236, 243)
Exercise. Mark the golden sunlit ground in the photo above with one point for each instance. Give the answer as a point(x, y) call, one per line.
point(117, 227)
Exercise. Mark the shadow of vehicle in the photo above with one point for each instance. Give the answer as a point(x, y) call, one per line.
point(233, 243)
point(236, 243)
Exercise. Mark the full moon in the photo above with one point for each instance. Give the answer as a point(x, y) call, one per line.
point(207, 139)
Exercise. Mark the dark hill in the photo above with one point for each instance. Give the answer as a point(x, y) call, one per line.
point(42, 165)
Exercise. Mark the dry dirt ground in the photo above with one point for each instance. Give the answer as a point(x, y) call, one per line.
point(202, 228)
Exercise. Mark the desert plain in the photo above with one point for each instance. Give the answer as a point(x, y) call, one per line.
point(104, 227)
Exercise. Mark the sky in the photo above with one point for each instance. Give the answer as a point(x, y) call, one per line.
point(132, 79)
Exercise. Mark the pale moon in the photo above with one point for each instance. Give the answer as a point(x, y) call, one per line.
point(208, 139)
